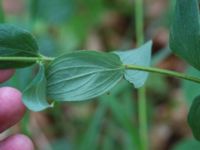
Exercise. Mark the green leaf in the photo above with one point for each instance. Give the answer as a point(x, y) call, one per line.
point(54, 12)
point(191, 89)
point(34, 96)
point(16, 42)
point(185, 32)
point(187, 144)
point(193, 118)
point(140, 56)
point(83, 75)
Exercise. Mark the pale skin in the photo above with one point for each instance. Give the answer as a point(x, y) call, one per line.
point(11, 112)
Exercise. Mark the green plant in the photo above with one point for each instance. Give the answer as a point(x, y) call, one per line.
point(84, 75)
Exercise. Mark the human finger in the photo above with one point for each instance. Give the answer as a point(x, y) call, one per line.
point(11, 107)
point(17, 142)
point(6, 74)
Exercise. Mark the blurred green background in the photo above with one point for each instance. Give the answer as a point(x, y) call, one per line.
point(111, 122)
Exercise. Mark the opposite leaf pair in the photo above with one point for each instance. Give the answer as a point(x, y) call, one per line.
point(76, 76)
point(83, 75)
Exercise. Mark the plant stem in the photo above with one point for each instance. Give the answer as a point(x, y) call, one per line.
point(26, 59)
point(164, 72)
point(127, 66)
point(139, 23)
point(142, 110)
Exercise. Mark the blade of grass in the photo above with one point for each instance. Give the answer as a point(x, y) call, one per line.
point(123, 118)
point(90, 138)
point(24, 124)
point(2, 15)
point(33, 4)
point(108, 143)
point(160, 56)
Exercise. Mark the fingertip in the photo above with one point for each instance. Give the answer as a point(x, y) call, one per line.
point(17, 142)
point(6, 74)
point(11, 109)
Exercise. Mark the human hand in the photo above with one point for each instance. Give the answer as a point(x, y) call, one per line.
point(11, 111)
